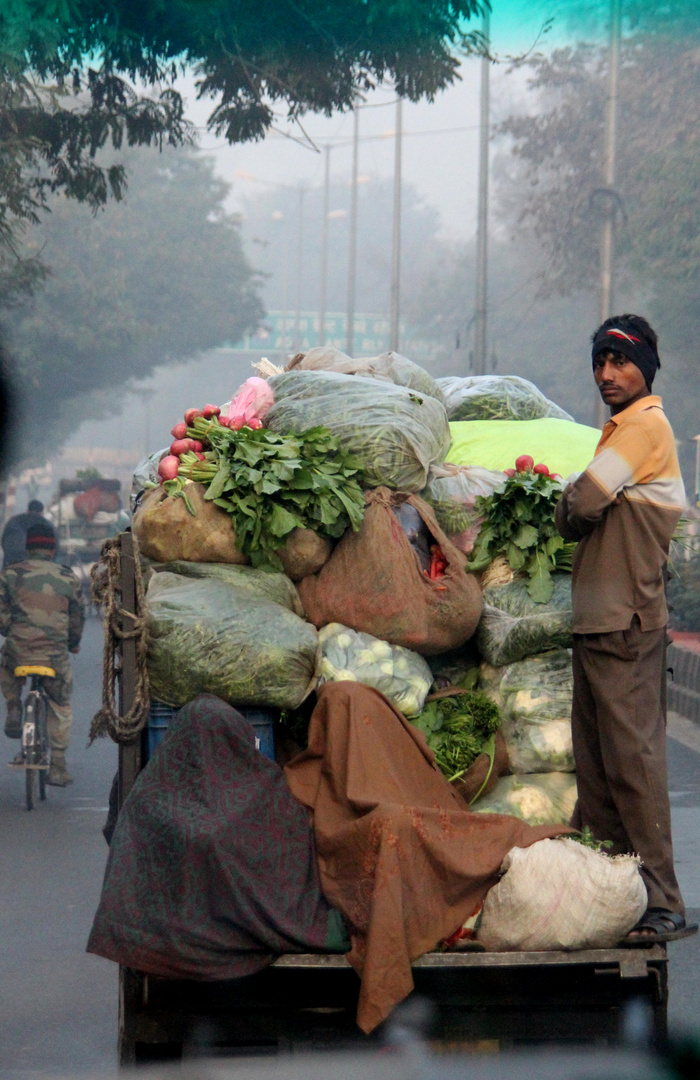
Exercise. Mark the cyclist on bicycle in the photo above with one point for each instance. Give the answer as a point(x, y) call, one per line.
point(42, 617)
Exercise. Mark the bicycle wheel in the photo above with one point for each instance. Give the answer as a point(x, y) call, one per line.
point(29, 746)
point(30, 785)
point(42, 743)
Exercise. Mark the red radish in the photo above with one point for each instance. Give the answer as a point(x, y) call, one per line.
point(179, 431)
point(195, 444)
point(554, 476)
point(210, 411)
point(167, 470)
point(200, 457)
point(524, 463)
point(191, 415)
point(223, 420)
point(180, 446)
point(509, 472)
point(542, 470)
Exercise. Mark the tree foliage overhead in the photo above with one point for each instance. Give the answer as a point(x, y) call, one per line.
point(555, 182)
point(150, 281)
point(552, 181)
point(69, 68)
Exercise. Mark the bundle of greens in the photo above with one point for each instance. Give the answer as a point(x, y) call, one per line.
point(457, 729)
point(224, 634)
point(395, 432)
point(519, 524)
point(496, 397)
point(513, 626)
point(272, 484)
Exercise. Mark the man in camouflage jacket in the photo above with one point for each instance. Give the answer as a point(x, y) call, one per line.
point(42, 617)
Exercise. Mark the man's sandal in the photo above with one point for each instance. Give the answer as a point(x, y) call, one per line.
point(658, 926)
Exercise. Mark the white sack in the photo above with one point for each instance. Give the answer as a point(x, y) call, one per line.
point(558, 894)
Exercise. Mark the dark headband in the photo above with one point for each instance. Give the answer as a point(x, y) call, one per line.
point(632, 346)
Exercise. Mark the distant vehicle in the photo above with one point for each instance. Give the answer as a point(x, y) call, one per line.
point(86, 511)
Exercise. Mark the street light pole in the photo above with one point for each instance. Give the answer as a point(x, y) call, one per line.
point(321, 340)
point(480, 327)
point(300, 262)
point(352, 253)
point(396, 233)
point(607, 239)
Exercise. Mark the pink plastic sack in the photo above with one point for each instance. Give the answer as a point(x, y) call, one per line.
point(251, 404)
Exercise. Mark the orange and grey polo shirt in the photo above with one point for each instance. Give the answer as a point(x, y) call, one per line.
point(623, 510)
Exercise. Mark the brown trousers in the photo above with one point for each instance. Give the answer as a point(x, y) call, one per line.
point(619, 733)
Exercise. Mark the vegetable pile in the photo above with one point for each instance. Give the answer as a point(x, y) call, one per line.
point(459, 728)
point(269, 483)
point(519, 524)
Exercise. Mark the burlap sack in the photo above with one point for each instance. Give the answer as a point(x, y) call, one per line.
point(558, 894)
point(373, 583)
point(304, 553)
point(166, 530)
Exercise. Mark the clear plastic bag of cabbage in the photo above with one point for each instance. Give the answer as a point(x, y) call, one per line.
point(534, 696)
point(496, 397)
point(389, 365)
point(513, 626)
point(543, 799)
point(452, 491)
point(221, 634)
point(395, 433)
point(400, 674)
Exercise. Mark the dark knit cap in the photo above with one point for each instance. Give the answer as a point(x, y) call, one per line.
point(41, 536)
point(624, 339)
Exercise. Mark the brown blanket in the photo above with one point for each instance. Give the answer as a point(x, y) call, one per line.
point(401, 855)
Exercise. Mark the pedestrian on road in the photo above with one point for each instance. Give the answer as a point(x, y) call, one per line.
point(623, 511)
point(42, 617)
point(14, 534)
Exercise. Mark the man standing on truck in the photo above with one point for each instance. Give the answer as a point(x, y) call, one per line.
point(42, 617)
point(623, 511)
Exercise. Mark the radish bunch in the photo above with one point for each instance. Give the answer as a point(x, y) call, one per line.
point(184, 444)
point(526, 464)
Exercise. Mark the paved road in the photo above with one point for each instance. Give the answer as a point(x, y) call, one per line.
point(58, 1006)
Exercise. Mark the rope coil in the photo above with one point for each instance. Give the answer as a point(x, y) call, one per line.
point(106, 579)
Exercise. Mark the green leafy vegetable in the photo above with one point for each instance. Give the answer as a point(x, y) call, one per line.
point(271, 484)
point(519, 523)
point(457, 728)
point(587, 839)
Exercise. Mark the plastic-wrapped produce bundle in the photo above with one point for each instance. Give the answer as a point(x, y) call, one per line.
point(513, 626)
point(541, 799)
point(535, 696)
point(452, 491)
point(145, 474)
point(496, 397)
point(222, 634)
point(395, 433)
point(389, 365)
point(400, 674)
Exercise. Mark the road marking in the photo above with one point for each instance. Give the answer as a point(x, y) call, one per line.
point(684, 731)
